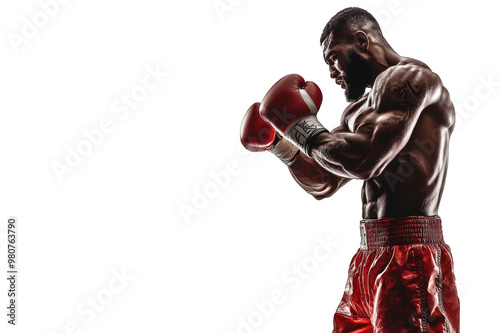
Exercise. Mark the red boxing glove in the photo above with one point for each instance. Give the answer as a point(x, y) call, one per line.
point(291, 106)
point(257, 135)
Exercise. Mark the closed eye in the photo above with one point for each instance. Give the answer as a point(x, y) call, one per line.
point(331, 60)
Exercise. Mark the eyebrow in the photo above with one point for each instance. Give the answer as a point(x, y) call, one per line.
point(328, 55)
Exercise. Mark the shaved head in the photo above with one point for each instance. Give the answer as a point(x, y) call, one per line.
point(348, 21)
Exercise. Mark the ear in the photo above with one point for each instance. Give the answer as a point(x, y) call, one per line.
point(361, 40)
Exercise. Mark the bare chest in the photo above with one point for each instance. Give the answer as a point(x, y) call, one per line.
point(355, 114)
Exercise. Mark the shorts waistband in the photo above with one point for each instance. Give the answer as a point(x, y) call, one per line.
point(400, 231)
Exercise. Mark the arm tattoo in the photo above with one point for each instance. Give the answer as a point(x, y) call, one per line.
point(404, 92)
point(401, 93)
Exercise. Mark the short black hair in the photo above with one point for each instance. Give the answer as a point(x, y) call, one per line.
point(348, 19)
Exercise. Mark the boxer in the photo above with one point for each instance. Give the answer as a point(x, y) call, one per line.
point(395, 138)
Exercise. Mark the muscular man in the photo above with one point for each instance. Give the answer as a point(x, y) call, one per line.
point(395, 138)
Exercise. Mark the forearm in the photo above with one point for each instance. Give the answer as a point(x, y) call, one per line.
point(314, 179)
point(340, 153)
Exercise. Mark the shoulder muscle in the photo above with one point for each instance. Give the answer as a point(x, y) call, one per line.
point(406, 87)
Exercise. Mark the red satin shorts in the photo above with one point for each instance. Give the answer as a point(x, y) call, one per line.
point(400, 280)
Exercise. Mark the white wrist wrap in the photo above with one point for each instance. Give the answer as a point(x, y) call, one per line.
point(303, 131)
point(285, 151)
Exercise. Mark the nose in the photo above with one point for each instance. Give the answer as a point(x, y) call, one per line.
point(333, 73)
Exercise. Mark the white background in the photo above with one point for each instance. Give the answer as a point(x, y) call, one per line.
point(119, 210)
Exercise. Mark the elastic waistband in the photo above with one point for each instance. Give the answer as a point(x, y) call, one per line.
point(401, 231)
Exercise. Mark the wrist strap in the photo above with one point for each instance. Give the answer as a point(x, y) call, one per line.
point(303, 131)
point(286, 151)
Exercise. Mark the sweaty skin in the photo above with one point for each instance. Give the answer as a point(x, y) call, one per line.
point(395, 137)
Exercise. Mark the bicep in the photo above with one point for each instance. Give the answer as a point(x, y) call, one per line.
point(390, 130)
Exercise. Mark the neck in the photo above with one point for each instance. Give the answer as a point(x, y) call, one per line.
point(381, 57)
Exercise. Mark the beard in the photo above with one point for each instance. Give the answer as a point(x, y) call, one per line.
point(357, 76)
